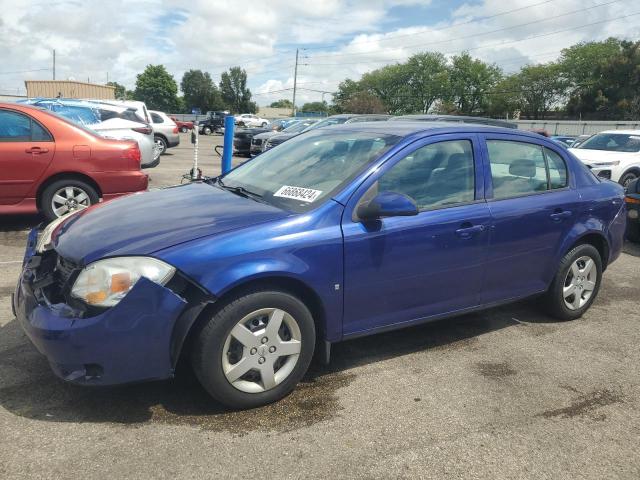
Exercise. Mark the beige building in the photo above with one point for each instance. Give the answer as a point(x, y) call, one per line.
point(69, 89)
point(268, 112)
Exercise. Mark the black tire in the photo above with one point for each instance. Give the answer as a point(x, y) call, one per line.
point(48, 193)
point(264, 124)
point(161, 142)
point(633, 231)
point(184, 129)
point(554, 301)
point(627, 178)
point(208, 346)
point(206, 130)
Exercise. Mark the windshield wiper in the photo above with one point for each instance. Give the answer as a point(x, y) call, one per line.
point(243, 192)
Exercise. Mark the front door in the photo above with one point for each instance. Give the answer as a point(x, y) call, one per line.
point(26, 149)
point(402, 269)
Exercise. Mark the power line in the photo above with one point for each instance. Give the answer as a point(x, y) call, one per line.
point(469, 36)
point(393, 37)
point(484, 46)
point(25, 71)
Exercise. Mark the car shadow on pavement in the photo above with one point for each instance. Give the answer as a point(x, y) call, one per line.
point(29, 389)
point(13, 223)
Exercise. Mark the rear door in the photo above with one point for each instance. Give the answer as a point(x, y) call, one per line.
point(26, 149)
point(533, 203)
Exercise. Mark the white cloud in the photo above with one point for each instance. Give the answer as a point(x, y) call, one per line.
point(121, 37)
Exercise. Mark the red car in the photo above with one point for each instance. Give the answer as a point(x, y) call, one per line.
point(184, 127)
point(53, 166)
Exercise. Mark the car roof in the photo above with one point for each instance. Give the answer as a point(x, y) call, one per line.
point(405, 128)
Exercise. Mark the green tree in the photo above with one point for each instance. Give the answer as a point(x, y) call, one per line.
point(315, 107)
point(470, 81)
point(540, 88)
point(200, 91)
point(427, 79)
point(234, 91)
point(157, 88)
point(603, 79)
point(346, 89)
point(505, 100)
point(364, 102)
point(391, 85)
point(121, 91)
point(282, 103)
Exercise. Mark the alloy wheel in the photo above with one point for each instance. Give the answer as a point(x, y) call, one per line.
point(261, 350)
point(160, 147)
point(580, 283)
point(68, 199)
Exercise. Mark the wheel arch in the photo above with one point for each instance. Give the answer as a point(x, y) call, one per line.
point(65, 175)
point(598, 240)
point(280, 282)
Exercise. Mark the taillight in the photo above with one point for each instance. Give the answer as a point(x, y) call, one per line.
point(146, 130)
point(175, 129)
point(632, 200)
point(133, 155)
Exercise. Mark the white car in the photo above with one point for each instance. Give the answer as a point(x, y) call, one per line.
point(613, 154)
point(250, 120)
point(110, 120)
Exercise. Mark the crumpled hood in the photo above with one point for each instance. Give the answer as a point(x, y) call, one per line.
point(596, 156)
point(141, 224)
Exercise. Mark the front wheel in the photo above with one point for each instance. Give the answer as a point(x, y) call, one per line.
point(255, 349)
point(206, 130)
point(627, 178)
point(576, 283)
point(161, 145)
point(65, 196)
point(264, 124)
point(184, 129)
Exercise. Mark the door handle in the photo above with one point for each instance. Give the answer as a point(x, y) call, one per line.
point(36, 150)
point(558, 216)
point(467, 230)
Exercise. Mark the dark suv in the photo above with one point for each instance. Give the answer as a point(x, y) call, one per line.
point(213, 123)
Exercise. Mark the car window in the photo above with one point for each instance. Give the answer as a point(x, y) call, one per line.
point(316, 163)
point(156, 118)
point(435, 175)
point(517, 168)
point(557, 169)
point(17, 127)
point(613, 142)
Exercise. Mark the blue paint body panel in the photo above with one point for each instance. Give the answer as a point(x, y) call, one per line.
point(366, 276)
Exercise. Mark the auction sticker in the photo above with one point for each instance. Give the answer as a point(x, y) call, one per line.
point(298, 193)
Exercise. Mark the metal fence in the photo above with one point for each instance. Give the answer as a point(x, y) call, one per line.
point(575, 127)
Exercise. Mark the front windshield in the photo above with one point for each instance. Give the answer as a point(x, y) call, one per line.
point(612, 142)
point(298, 174)
point(297, 127)
point(327, 122)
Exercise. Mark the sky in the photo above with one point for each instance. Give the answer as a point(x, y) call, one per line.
point(337, 39)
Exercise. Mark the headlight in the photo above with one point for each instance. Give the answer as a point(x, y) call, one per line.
point(105, 282)
point(612, 163)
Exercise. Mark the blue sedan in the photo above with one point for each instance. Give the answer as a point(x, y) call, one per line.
point(341, 232)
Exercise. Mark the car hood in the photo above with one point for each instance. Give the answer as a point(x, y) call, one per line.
point(265, 135)
point(595, 156)
point(141, 224)
point(281, 137)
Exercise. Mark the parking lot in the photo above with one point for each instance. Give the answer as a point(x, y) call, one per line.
point(507, 393)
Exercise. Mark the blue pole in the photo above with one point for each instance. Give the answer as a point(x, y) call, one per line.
point(227, 150)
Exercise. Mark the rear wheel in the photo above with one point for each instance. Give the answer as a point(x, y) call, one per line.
point(255, 349)
point(184, 129)
point(206, 130)
point(65, 196)
point(264, 124)
point(576, 283)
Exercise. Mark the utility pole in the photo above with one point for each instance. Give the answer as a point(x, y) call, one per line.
point(295, 84)
point(54, 64)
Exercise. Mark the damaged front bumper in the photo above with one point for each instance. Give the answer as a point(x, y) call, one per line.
point(132, 341)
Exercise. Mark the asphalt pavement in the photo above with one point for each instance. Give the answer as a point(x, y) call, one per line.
point(504, 394)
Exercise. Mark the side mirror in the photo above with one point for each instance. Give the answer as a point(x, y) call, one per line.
point(387, 204)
